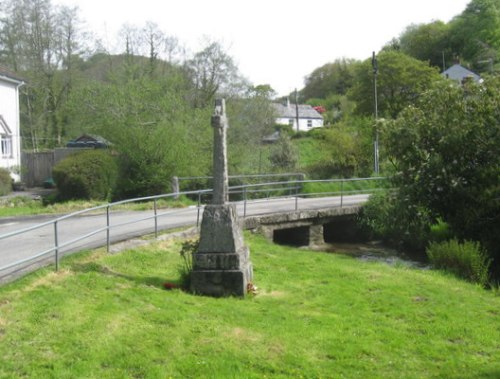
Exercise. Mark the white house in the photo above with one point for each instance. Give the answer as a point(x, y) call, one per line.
point(308, 117)
point(10, 134)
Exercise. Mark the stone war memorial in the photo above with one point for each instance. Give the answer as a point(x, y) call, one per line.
point(221, 266)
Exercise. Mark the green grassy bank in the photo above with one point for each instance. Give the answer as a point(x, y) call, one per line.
point(316, 315)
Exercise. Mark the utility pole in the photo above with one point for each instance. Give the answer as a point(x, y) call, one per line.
point(375, 144)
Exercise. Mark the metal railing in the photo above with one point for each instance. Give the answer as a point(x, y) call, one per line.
point(295, 191)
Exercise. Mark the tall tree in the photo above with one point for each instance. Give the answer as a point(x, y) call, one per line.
point(40, 42)
point(446, 152)
point(476, 33)
point(400, 81)
point(428, 42)
point(330, 79)
point(213, 72)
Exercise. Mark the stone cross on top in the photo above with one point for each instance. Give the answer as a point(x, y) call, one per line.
point(219, 123)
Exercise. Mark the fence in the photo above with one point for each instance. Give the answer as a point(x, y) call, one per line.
point(263, 197)
point(37, 167)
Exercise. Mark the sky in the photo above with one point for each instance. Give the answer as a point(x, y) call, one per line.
point(275, 42)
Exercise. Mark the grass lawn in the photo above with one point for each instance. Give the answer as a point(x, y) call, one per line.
point(316, 315)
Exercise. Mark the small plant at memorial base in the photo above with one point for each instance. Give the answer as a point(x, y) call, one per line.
point(251, 289)
point(188, 248)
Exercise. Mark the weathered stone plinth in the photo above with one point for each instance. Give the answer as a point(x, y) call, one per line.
point(221, 267)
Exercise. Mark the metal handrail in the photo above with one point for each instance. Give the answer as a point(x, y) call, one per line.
point(295, 186)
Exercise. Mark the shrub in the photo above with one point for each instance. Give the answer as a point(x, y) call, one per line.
point(466, 260)
point(5, 182)
point(87, 175)
point(396, 221)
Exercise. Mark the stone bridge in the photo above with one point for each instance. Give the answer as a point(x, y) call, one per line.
point(308, 227)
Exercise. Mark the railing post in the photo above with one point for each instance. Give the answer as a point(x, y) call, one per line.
point(244, 202)
point(56, 242)
point(199, 205)
point(108, 242)
point(341, 193)
point(156, 218)
point(297, 195)
point(175, 187)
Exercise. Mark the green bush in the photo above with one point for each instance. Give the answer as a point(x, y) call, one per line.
point(396, 221)
point(5, 182)
point(466, 260)
point(87, 175)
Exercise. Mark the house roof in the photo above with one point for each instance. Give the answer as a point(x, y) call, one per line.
point(289, 111)
point(89, 140)
point(9, 76)
point(459, 73)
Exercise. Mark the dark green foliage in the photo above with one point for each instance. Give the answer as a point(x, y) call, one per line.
point(331, 78)
point(5, 182)
point(87, 175)
point(475, 34)
point(397, 221)
point(446, 151)
point(466, 260)
point(428, 43)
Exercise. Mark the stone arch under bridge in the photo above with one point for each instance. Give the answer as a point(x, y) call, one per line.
point(308, 227)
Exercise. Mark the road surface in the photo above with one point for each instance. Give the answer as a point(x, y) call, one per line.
point(123, 226)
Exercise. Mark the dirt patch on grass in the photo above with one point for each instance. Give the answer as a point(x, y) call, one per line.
point(50, 278)
point(243, 335)
point(276, 294)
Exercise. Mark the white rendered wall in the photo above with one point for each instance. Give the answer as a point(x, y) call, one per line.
point(9, 109)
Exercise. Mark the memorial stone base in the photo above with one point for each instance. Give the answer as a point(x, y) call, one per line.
point(221, 267)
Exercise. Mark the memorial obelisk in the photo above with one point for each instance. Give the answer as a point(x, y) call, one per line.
point(221, 266)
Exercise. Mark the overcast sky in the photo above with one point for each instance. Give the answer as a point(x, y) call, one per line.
point(276, 42)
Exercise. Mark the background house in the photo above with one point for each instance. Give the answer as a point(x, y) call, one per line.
point(10, 135)
point(309, 118)
point(460, 73)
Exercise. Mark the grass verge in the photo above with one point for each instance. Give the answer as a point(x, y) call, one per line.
point(26, 206)
point(316, 315)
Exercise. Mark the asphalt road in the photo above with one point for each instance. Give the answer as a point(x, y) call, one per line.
point(123, 226)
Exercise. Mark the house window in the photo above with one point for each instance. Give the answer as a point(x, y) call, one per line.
point(309, 123)
point(6, 146)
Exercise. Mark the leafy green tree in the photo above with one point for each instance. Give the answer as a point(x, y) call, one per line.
point(476, 33)
point(251, 118)
point(428, 42)
point(331, 78)
point(446, 151)
point(400, 81)
point(41, 43)
point(152, 127)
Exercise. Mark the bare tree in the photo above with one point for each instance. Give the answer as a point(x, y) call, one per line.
point(212, 72)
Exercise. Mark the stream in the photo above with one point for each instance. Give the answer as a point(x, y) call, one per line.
point(374, 251)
